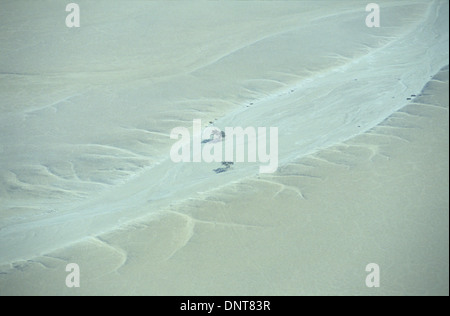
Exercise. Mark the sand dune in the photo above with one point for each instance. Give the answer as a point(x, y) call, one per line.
point(308, 229)
point(362, 117)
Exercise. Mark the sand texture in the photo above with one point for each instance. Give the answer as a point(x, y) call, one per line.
point(86, 175)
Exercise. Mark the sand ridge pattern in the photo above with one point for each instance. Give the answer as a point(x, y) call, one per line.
point(86, 176)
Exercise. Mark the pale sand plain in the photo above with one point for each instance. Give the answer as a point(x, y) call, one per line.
point(363, 174)
point(309, 229)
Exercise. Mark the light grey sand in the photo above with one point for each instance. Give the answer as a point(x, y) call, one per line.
point(72, 180)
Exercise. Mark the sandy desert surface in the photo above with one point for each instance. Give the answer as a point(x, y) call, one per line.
point(86, 174)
